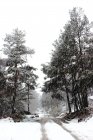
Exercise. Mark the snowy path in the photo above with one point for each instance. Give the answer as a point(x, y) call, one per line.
point(55, 132)
point(43, 129)
point(52, 129)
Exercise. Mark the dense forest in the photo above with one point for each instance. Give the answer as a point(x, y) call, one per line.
point(70, 72)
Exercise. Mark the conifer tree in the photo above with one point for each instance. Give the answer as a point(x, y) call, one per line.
point(16, 51)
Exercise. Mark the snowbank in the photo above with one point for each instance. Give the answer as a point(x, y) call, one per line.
point(83, 130)
point(8, 120)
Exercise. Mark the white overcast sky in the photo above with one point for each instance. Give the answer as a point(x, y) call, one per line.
point(41, 20)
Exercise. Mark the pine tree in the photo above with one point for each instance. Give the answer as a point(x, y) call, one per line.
point(69, 69)
point(16, 51)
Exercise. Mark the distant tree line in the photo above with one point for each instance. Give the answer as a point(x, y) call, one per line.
point(71, 67)
point(17, 78)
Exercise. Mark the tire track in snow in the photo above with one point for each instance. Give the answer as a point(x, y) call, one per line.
point(68, 131)
point(53, 126)
point(55, 131)
point(73, 135)
point(44, 135)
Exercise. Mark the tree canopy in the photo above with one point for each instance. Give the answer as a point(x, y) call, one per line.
point(70, 68)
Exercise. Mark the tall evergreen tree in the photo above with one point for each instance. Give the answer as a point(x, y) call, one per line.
point(16, 51)
point(69, 66)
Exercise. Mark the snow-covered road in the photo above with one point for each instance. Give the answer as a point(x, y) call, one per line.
point(56, 132)
point(43, 129)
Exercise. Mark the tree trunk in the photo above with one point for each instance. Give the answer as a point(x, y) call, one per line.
point(15, 87)
point(68, 101)
point(28, 99)
point(67, 94)
point(85, 99)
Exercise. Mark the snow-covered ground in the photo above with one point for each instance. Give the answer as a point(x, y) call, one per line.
point(83, 130)
point(55, 132)
point(32, 130)
point(45, 130)
point(19, 131)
